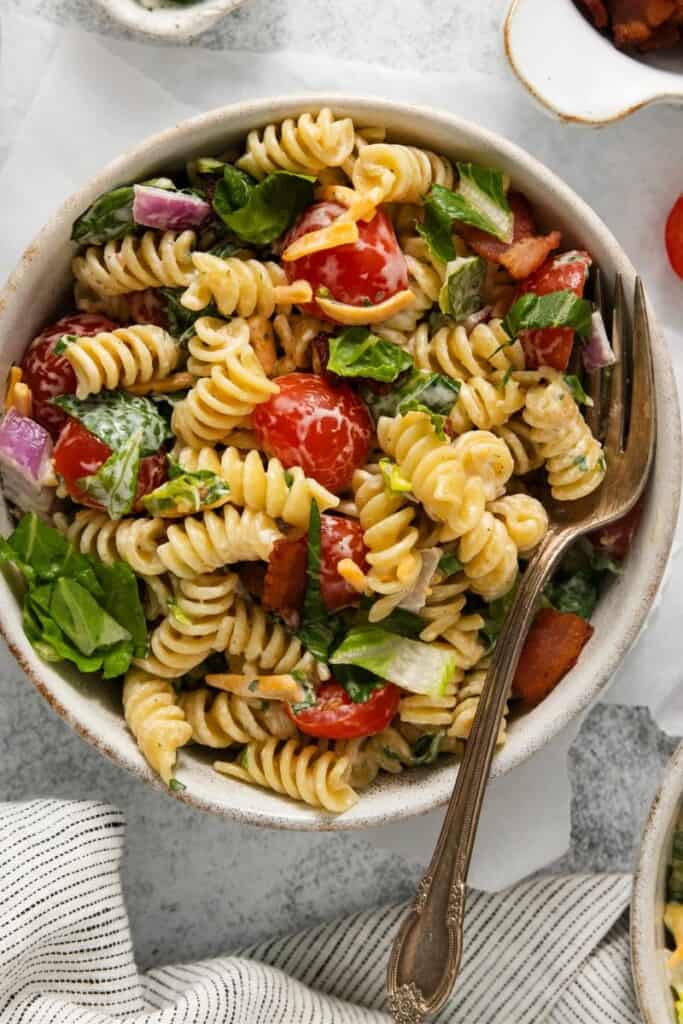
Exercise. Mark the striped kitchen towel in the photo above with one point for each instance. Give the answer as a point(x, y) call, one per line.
point(551, 950)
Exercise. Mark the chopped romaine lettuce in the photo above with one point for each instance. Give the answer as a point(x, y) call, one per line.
point(394, 481)
point(260, 213)
point(356, 352)
point(185, 492)
point(556, 309)
point(433, 392)
point(416, 666)
point(460, 295)
point(115, 483)
point(114, 416)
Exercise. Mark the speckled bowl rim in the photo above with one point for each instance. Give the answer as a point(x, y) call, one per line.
point(171, 24)
point(654, 995)
point(421, 790)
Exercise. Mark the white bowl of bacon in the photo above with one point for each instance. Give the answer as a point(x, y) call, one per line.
point(533, 232)
point(176, 20)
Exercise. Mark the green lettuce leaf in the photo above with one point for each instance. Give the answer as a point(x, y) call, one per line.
point(318, 630)
point(358, 683)
point(433, 392)
point(260, 213)
point(577, 390)
point(180, 320)
point(460, 295)
point(115, 483)
point(557, 309)
point(356, 352)
point(426, 748)
point(576, 584)
point(449, 564)
point(114, 416)
point(416, 666)
point(394, 481)
point(186, 492)
point(479, 201)
point(121, 599)
point(495, 615)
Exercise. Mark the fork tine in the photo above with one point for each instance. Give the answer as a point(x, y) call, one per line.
point(594, 378)
point(616, 415)
point(641, 435)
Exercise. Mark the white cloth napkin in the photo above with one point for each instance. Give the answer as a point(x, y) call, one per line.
point(70, 102)
point(551, 951)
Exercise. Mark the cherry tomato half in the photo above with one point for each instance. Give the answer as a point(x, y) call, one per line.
point(49, 375)
point(365, 272)
point(552, 346)
point(326, 430)
point(334, 716)
point(674, 236)
point(339, 538)
point(79, 453)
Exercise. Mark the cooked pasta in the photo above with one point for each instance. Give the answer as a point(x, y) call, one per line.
point(274, 470)
point(219, 403)
point(574, 459)
point(135, 541)
point(132, 264)
point(221, 720)
point(117, 359)
point(156, 720)
point(304, 146)
point(196, 624)
point(200, 545)
point(296, 769)
point(242, 286)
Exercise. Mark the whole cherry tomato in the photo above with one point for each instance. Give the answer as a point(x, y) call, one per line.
point(674, 236)
point(79, 453)
point(339, 538)
point(364, 272)
point(552, 346)
point(49, 375)
point(334, 716)
point(326, 430)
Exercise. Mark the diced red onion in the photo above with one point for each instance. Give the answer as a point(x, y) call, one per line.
point(482, 316)
point(168, 211)
point(25, 453)
point(416, 597)
point(597, 353)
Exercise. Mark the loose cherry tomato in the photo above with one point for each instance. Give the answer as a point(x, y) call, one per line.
point(674, 236)
point(326, 430)
point(79, 453)
point(49, 375)
point(365, 272)
point(339, 538)
point(334, 716)
point(552, 346)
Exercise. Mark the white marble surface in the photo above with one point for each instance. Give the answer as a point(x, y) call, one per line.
point(198, 886)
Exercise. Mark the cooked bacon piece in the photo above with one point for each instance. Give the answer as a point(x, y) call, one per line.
point(525, 253)
point(597, 11)
point(253, 576)
point(285, 582)
point(615, 540)
point(552, 647)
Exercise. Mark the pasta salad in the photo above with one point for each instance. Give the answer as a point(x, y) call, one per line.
point(280, 462)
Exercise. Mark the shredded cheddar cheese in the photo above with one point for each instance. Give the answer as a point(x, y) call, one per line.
point(282, 687)
point(338, 233)
point(18, 395)
point(353, 574)
point(354, 316)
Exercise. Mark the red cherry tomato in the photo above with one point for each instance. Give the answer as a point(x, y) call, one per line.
point(552, 346)
point(339, 538)
point(674, 236)
point(365, 272)
point(326, 430)
point(334, 716)
point(79, 453)
point(49, 375)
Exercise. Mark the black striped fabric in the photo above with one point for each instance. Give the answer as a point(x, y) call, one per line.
point(554, 950)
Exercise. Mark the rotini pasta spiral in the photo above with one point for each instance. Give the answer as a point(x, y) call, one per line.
point(282, 494)
point(425, 277)
point(485, 404)
point(117, 359)
point(296, 769)
point(221, 720)
point(525, 518)
point(489, 556)
point(295, 334)
point(132, 264)
point(304, 146)
point(155, 719)
point(392, 173)
point(443, 613)
point(264, 643)
point(135, 541)
point(219, 403)
point(575, 462)
point(391, 540)
point(386, 751)
point(434, 712)
point(202, 544)
point(452, 351)
point(467, 704)
point(195, 625)
point(525, 452)
point(241, 286)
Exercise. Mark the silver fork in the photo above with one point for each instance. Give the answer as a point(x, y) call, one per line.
point(427, 951)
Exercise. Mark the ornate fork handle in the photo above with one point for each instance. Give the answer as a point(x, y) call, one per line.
point(426, 954)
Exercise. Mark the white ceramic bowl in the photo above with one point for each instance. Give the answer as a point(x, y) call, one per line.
point(174, 23)
point(577, 74)
point(32, 298)
point(648, 938)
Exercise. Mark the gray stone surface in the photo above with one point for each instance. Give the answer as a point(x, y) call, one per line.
point(198, 886)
